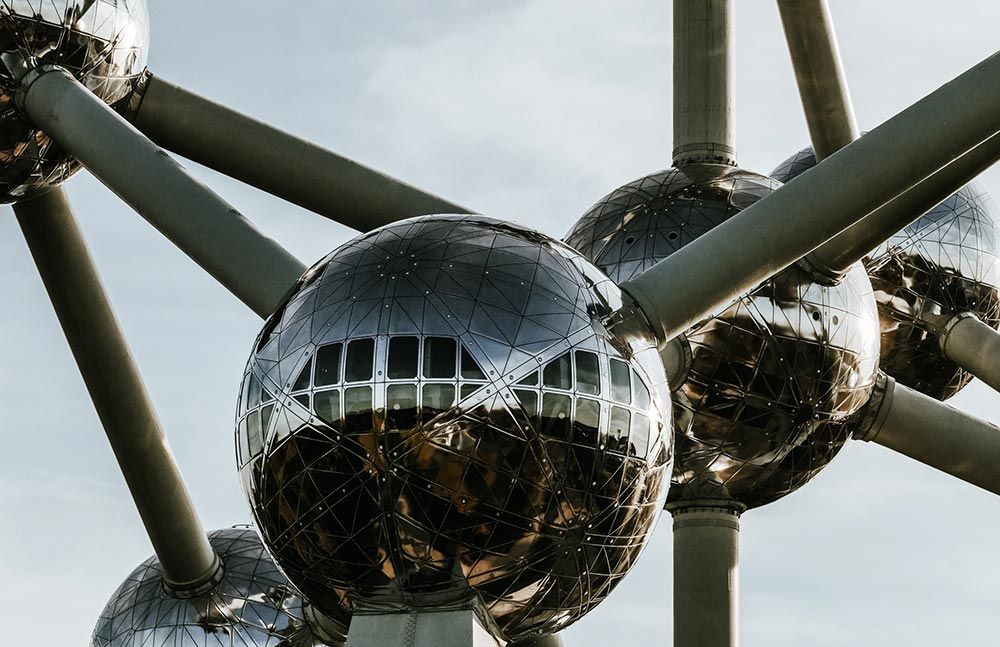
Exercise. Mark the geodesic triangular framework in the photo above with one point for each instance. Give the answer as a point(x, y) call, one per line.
point(252, 605)
point(437, 413)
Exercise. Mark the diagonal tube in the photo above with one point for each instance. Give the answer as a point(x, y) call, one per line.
point(117, 391)
point(974, 346)
point(711, 272)
point(276, 162)
point(933, 433)
point(216, 236)
point(819, 74)
point(703, 82)
point(833, 259)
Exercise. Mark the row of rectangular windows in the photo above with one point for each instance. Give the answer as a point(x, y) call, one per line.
point(352, 412)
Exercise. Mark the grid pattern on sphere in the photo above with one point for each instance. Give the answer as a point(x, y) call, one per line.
point(774, 378)
point(944, 263)
point(438, 413)
point(102, 43)
point(253, 604)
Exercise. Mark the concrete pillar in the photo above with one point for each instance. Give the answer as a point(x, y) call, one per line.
point(117, 391)
point(819, 74)
point(706, 573)
point(703, 82)
point(974, 346)
point(276, 162)
point(706, 276)
point(933, 433)
point(833, 259)
point(252, 266)
point(459, 628)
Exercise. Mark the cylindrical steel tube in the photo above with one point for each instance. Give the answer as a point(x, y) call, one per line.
point(974, 346)
point(117, 390)
point(710, 273)
point(819, 74)
point(703, 82)
point(935, 434)
point(834, 258)
point(706, 575)
point(278, 163)
point(252, 266)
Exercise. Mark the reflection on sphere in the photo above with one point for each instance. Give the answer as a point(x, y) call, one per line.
point(774, 378)
point(439, 413)
point(102, 43)
point(253, 604)
point(944, 263)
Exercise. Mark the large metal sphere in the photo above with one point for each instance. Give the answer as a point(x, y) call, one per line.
point(439, 414)
point(944, 263)
point(252, 605)
point(103, 43)
point(772, 379)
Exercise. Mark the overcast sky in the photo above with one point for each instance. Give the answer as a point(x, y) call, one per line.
point(524, 110)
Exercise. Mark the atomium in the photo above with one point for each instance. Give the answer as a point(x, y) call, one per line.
point(252, 604)
point(944, 263)
point(773, 380)
point(102, 43)
point(439, 412)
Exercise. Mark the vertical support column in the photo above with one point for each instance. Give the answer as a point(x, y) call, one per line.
point(703, 82)
point(706, 573)
point(117, 391)
point(819, 74)
point(457, 628)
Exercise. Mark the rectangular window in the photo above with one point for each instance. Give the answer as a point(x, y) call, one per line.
point(360, 360)
point(401, 406)
point(469, 389)
point(470, 368)
point(254, 400)
point(588, 373)
point(327, 407)
point(265, 418)
point(304, 379)
point(529, 401)
point(618, 430)
point(438, 398)
point(558, 373)
point(358, 416)
point(243, 443)
point(440, 355)
point(641, 393)
point(402, 363)
point(586, 422)
point(328, 365)
point(640, 436)
point(556, 411)
point(254, 435)
point(621, 387)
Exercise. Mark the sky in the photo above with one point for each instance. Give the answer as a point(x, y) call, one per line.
point(527, 110)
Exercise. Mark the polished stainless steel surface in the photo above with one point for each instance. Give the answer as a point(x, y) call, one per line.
point(439, 411)
point(773, 378)
point(251, 605)
point(102, 43)
point(944, 263)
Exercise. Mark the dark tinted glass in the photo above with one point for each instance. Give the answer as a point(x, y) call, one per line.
point(304, 379)
point(588, 373)
point(358, 409)
point(401, 406)
point(588, 419)
point(558, 373)
point(439, 357)
point(326, 404)
point(402, 361)
point(328, 365)
point(360, 360)
point(621, 387)
point(556, 411)
point(470, 368)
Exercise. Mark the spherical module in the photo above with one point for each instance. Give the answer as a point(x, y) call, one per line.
point(253, 604)
point(944, 263)
point(102, 44)
point(439, 414)
point(773, 380)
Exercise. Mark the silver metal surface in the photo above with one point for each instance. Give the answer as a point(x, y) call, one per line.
point(769, 235)
point(773, 379)
point(439, 411)
point(945, 262)
point(251, 605)
point(426, 628)
point(103, 44)
point(703, 82)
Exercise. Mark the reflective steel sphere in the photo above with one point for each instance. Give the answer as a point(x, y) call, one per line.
point(439, 414)
point(103, 44)
point(252, 605)
point(772, 379)
point(945, 263)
